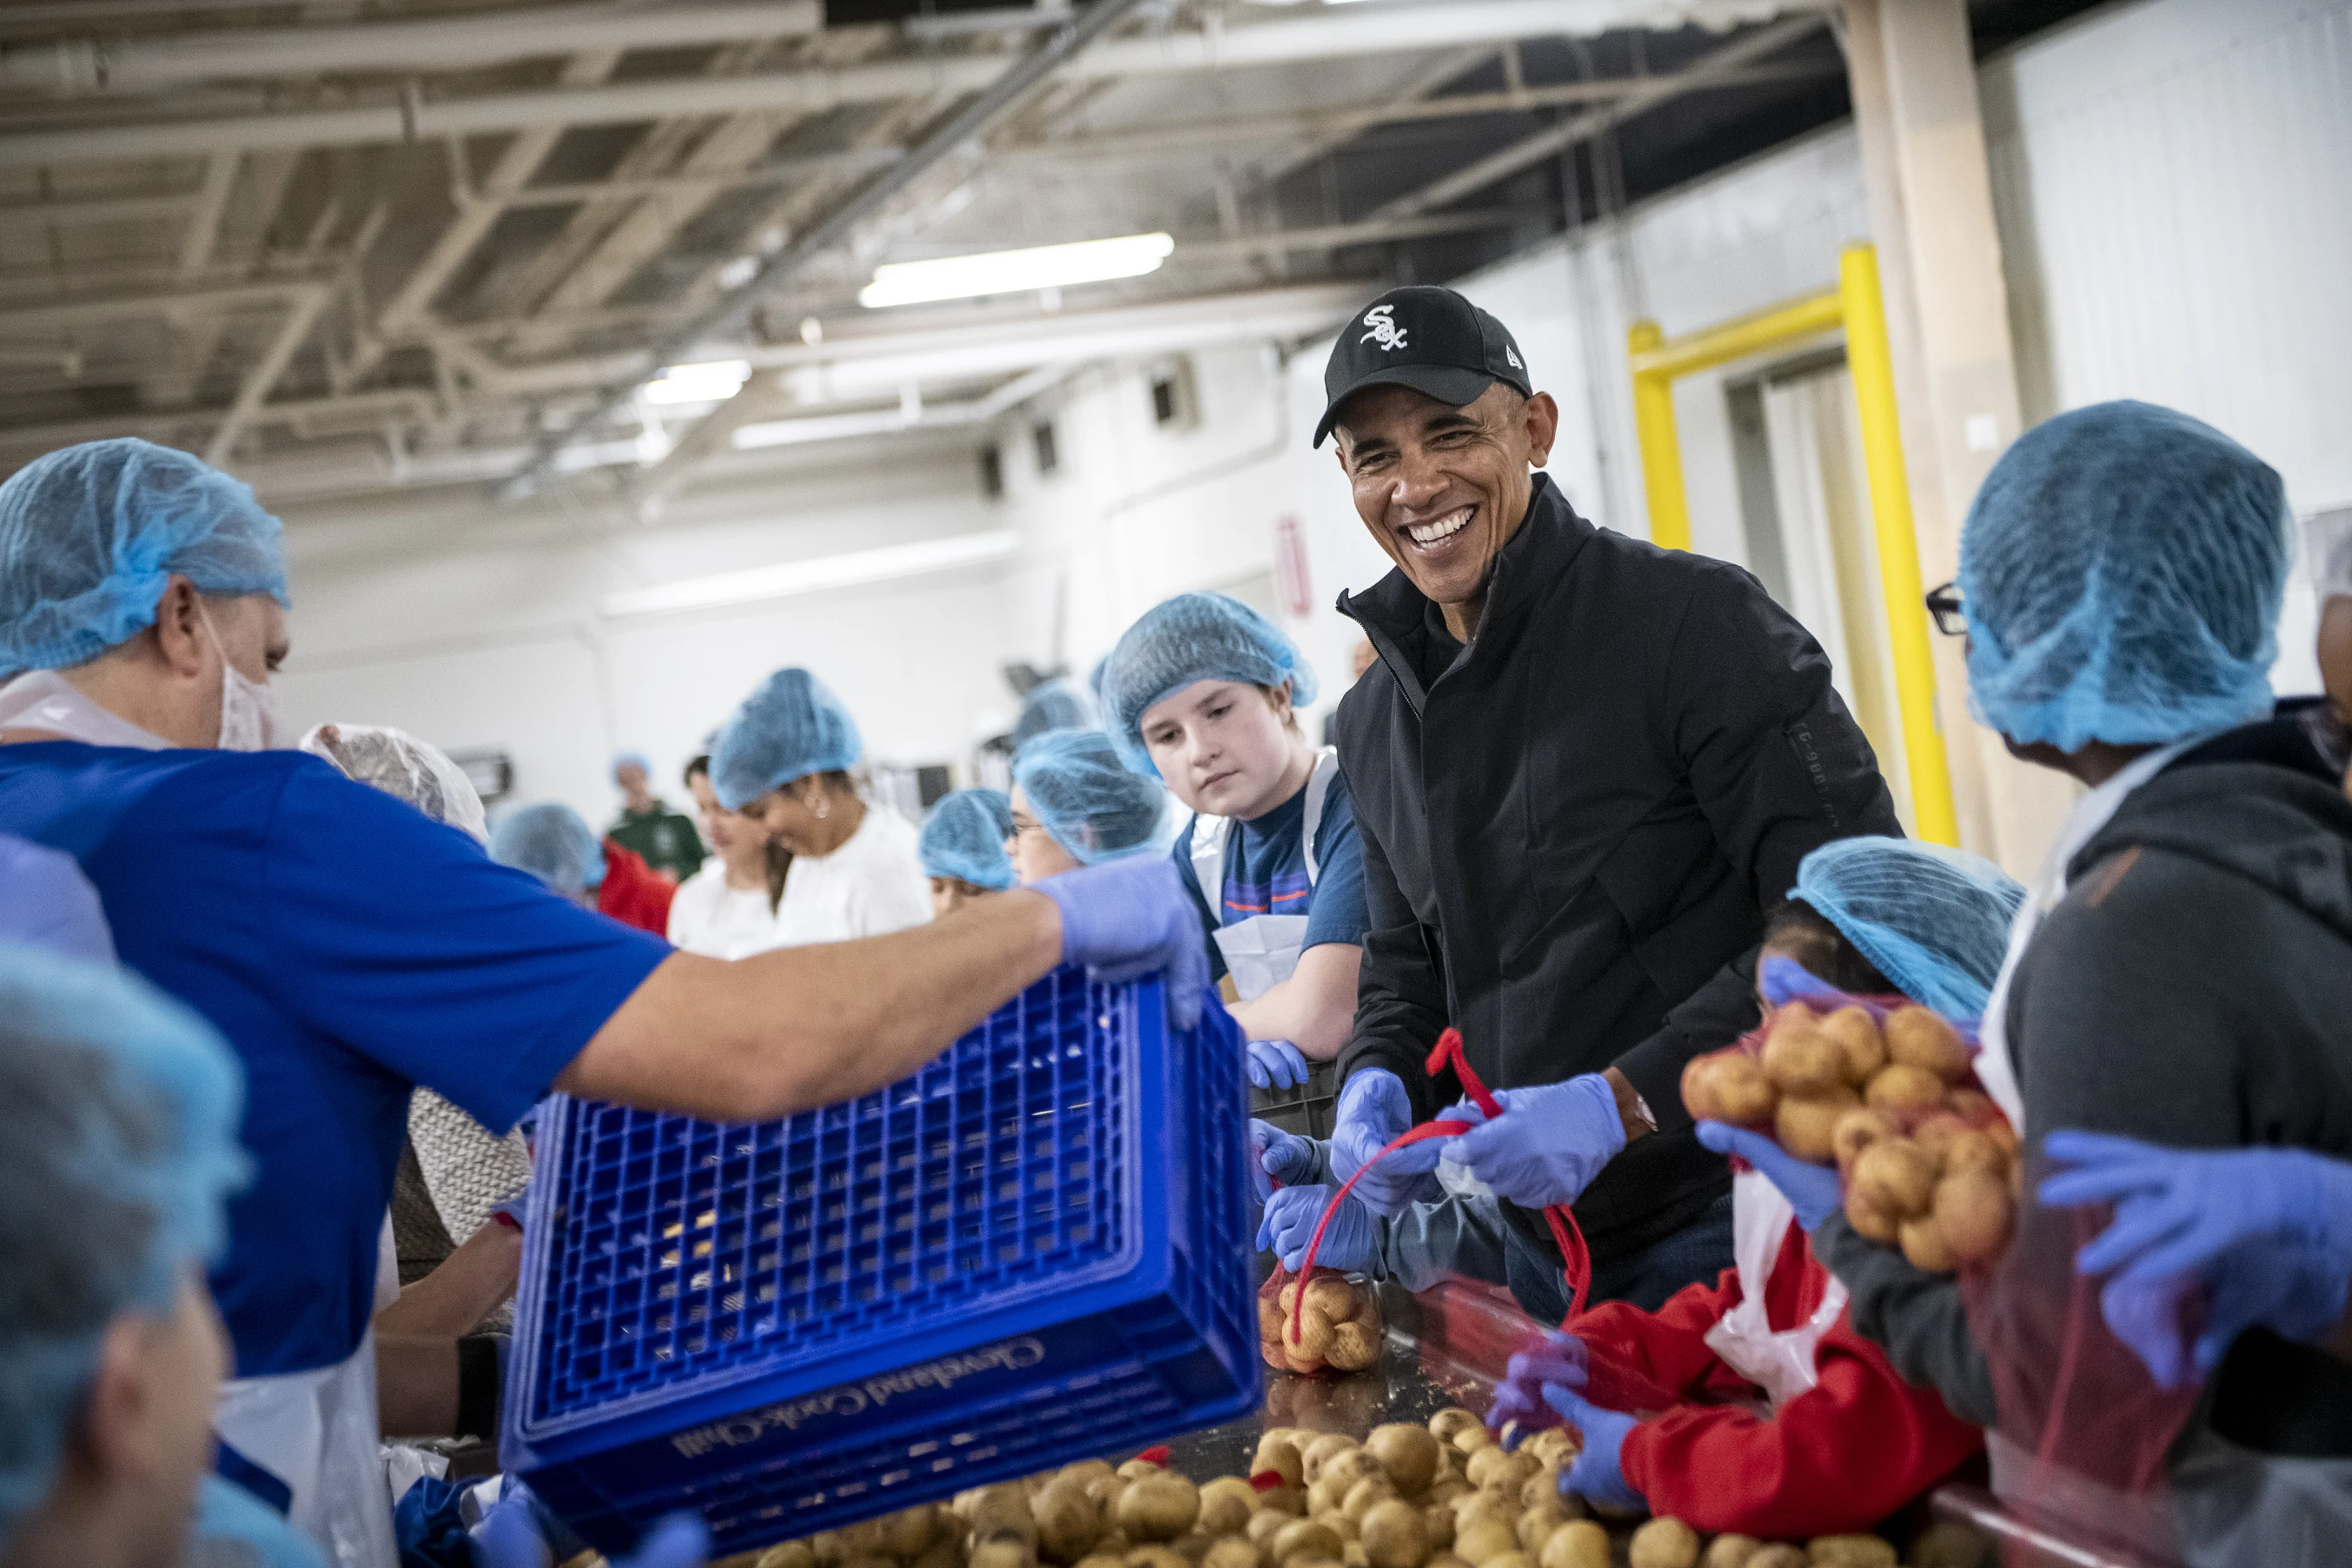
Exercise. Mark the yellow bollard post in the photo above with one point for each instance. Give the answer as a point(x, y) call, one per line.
point(1662, 452)
point(1871, 364)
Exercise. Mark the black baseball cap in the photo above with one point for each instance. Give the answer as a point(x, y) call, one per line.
point(1427, 337)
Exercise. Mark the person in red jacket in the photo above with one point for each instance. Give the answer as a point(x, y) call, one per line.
point(1760, 1410)
point(555, 844)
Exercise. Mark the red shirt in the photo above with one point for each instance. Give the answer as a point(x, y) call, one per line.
point(1839, 1457)
point(632, 892)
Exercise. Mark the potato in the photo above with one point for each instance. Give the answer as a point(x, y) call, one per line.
point(1069, 1522)
point(1304, 1538)
point(1897, 1175)
point(1264, 1526)
point(1449, 1421)
point(1439, 1521)
point(1935, 1133)
point(1449, 1484)
point(1974, 1213)
point(1917, 1036)
point(1800, 1058)
point(1974, 1107)
point(1857, 1130)
point(1083, 1470)
point(1871, 1218)
point(1510, 1560)
point(1536, 1524)
point(1325, 1496)
point(1365, 1493)
point(1340, 1525)
point(1193, 1548)
point(1778, 1554)
point(1479, 1540)
point(1157, 1507)
point(1000, 1510)
point(1226, 1504)
point(1446, 1559)
point(947, 1552)
point(1699, 1096)
point(1320, 1452)
point(1407, 1454)
point(1231, 1551)
point(909, 1532)
point(1354, 1345)
point(1860, 1048)
point(1552, 1445)
point(1729, 1550)
point(1903, 1088)
point(1804, 1123)
point(1288, 1296)
point(1470, 1439)
point(1491, 1468)
point(1849, 1551)
point(1002, 1551)
point(1973, 1149)
point(1664, 1543)
point(791, 1554)
point(1579, 1543)
point(1115, 1543)
point(1156, 1557)
point(1395, 1534)
point(1540, 1490)
point(1924, 1245)
point(1282, 1457)
point(1269, 1318)
point(1332, 1296)
point(1742, 1091)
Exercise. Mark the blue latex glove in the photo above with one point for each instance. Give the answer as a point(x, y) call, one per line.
point(1783, 980)
point(1284, 1157)
point(510, 1208)
point(1375, 1110)
point(1548, 1144)
point(514, 1534)
point(1351, 1244)
point(1598, 1474)
point(1520, 1408)
point(1131, 917)
point(2268, 1231)
point(1811, 1190)
point(1276, 1064)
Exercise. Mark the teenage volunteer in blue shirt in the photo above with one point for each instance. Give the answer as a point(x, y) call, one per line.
point(1203, 691)
point(351, 949)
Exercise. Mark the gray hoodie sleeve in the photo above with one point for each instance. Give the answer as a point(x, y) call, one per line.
point(1915, 1317)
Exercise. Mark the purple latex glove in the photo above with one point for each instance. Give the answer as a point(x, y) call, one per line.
point(1276, 1064)
point(1518, 1410)
point(1375, 1109)
point(1598, 1473)
point(515, 1533)
point(1276, 1156)
point(1811, 1190)
point(1131, 917)
point(1549, 1144)
point(1351, 1244)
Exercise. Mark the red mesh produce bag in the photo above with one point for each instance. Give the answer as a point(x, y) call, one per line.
point(1329, 1325)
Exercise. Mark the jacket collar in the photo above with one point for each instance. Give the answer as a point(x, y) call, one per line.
point(1395, 614)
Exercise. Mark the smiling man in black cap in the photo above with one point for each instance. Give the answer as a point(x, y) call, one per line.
point(1584, 768)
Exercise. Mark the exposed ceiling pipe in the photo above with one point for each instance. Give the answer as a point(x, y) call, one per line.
point(1441, 23)
point(426, 44)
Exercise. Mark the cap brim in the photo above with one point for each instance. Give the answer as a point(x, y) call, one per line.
point(1456, 386)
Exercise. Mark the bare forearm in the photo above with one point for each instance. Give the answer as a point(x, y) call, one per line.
point(467, 1287)
point(785, 1031)
point(1315, 1009)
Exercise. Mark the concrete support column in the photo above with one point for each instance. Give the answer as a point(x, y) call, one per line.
point(1930, 192)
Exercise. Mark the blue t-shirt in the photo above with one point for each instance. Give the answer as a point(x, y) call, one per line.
point(349, 947)
point(1265, 872)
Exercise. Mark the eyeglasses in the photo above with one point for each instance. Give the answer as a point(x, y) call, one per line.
point(1946, 608)
point(1021, 825)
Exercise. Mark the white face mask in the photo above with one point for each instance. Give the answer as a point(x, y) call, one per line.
point(249, 721)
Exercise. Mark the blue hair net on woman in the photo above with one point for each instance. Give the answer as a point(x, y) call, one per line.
point(1189, 638)
point(1084, 796)
point(964, 837)
point(90, 535)
point(553, 843)
point(789, 728)
point(2122, 568)
point(1056, 704)
point(1933, 921)
point(118, 1144)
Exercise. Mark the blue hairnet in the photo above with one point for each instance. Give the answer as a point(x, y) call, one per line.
point(622, 759)
point(90, 535)
point(551, 842)
point(46, 902)
point(1081, 793)
point(118, 1143)
point(964, 837)
point(2122, 568)
point(1056, 704)
point(789, 728)
point(1189, 638)
point(1933, 921)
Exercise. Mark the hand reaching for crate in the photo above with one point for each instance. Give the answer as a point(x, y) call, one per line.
point(1131, 917)
point(512, 1535)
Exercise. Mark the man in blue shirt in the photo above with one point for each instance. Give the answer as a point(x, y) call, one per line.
point(349, 949)
point(1201, 691)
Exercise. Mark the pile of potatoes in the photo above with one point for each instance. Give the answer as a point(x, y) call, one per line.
point(1928, 1161)
point(1324, 1321)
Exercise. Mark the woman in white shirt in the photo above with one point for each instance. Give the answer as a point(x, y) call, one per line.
point(783, 761)
point(727, 907)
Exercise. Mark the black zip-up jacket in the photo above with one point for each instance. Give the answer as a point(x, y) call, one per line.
point(1573, 826)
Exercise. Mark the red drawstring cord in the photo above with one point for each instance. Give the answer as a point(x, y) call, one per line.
point(1577, 1259)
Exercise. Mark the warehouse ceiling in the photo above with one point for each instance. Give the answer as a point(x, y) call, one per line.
point(346, 244)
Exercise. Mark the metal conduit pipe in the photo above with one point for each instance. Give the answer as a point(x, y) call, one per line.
point(439, 43)
point(1440, 24)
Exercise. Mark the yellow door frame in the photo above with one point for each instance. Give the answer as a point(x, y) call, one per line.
point(1854, 305)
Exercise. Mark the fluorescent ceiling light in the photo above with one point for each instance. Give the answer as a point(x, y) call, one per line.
point(1016, 272)
point(792, 578)
point(714, 381)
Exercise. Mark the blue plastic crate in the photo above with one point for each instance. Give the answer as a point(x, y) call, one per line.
point(1032, 1250)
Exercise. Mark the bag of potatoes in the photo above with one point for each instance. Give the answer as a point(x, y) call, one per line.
point(1316, 1323)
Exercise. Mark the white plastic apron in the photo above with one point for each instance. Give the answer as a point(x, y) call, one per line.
point(1996, 1067)
point(1779, 1361)
point(1261, 951)
point(44, 699)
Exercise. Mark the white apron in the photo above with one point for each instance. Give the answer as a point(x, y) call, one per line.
point(317, 1431)
point(1261, 951)
point(1996, 1068)
point(1779, 1361)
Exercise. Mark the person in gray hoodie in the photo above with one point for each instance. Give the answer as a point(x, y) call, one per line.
point(2182, 972)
